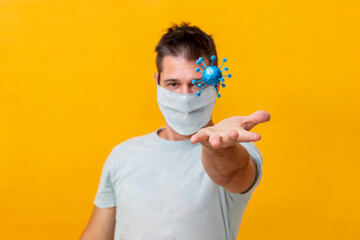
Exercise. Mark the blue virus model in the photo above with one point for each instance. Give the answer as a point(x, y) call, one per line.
point(212, 75)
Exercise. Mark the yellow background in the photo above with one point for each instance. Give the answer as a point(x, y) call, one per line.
point(77, 79)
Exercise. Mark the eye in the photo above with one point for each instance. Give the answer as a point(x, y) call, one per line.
point(172, 84)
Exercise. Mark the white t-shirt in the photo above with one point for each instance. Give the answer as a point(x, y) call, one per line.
point(161, 191)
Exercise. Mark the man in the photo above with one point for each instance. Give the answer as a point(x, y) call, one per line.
point(189, 180)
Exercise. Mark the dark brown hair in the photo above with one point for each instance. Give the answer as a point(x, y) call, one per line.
point(186, 40)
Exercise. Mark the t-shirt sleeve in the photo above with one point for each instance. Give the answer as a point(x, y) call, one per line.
point(105, 196)
point(257, 157)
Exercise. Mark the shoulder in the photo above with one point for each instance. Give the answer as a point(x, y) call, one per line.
point(134, 141)
point(130, 145)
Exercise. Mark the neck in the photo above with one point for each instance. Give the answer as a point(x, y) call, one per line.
point(169, 134)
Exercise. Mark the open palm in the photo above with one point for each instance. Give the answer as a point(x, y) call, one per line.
point(231, 131)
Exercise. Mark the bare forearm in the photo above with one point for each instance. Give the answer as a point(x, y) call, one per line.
point(101, 225)
point(222, 164)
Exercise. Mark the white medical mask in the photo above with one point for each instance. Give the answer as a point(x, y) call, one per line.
point(186, 113)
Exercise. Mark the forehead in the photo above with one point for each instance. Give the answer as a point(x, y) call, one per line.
point(171, 62)
point(180, 68)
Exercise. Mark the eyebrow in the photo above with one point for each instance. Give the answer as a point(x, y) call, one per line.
point(171, 80)
point(176, 80)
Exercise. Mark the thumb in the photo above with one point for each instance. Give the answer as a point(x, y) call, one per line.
point(259, 116)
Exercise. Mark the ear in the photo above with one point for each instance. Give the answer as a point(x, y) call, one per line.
point(156, 78)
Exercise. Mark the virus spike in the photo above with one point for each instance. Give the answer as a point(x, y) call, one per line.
point(199, 92)
point(223, 85)
point(221, 79)
point(218, 95)
point(213, 57)
point(196, 81)
point(229, 75)
point(204, 65)
point(224, 60)
point(201, 60)
point(225, 69)
point(198, 70)
point(199, 85)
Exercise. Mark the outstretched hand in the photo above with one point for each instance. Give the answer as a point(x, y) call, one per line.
point(231, 131)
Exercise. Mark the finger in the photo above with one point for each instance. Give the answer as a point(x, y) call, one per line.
point(200, 136)
point(215, 140)
point(230, 138)
point(246, 136)
point(259, 116)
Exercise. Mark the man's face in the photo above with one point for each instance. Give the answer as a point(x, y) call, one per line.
point(177, 74)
